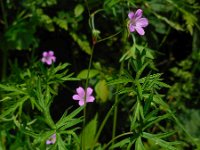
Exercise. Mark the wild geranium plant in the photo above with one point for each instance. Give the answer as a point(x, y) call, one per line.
point(130, 109)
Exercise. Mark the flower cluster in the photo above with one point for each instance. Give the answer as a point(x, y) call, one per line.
point(83, 97)
point(48, 57)
point(136, 22)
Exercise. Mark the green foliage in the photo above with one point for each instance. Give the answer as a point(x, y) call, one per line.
point(20, 35)
point(36, 89)
point(136, 106)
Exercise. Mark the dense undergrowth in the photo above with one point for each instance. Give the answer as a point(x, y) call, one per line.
point(104, 74)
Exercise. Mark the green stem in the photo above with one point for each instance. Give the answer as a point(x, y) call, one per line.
point(111, 36)
point(133, 38)
point(87, 79)
point(115, 117)
point(116, 103)
point(116, 107)
point(86, 86)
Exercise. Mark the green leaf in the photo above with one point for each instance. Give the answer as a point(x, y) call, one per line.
point(164, 135)
point(45, 20)
point(20, 35)
point(82, 42)
point(139, 73)
point(102, 90)
point(139, 90)
point(131, 53)
point(162, 84)
point(79, 9)
point(60, 142)
point(149, 52)
point(173, 24)
point(111, 3)
point(41, 137)
point(67, 121)
point(61, 23)
point(83, 74)
point(191, 20)
point(137, 110)
point(128, 90)
point(158, 100)
point(122, 80)
point(148, 103)
point(11, 88)
point(153, 120)
point(61, 20)
point(162, 143)
point(138, 144)
point(88, 134)
point(120, 143)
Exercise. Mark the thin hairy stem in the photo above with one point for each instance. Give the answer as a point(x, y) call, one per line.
point(116, 106)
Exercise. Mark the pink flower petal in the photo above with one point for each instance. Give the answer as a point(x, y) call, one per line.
point(44, 54)
point(48, 61)
point(53, 58)
point(51, 53)
point(81, 103)
point(131, 15)
point(48, 142)
point(89, 91)
point(76, 97)
point(143, 22)
point(138, 14)
point(90, 99)
point(140, 30)
point(80, 91)
point(43, 59)
point(131, 28)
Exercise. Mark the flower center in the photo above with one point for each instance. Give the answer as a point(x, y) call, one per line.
point(133, 22)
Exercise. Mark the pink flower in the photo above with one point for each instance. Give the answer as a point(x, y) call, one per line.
point(51, 140)
point(48, 57)
point(80, 96)
point(136, 22)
